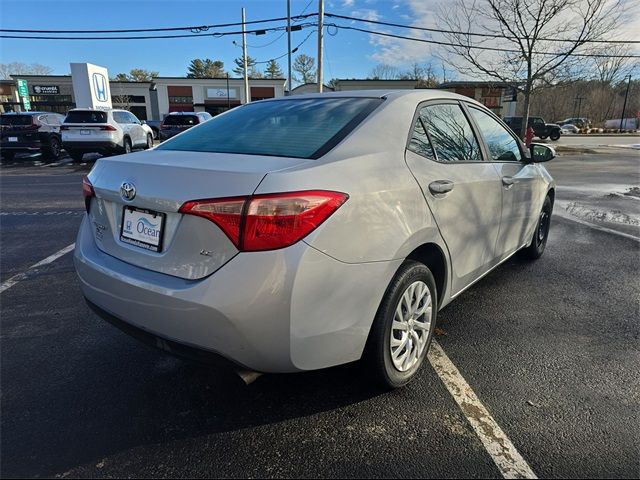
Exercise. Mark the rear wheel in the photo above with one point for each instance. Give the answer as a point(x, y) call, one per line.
point(126, 145)
point(149, 141)
point(543, 137)
point(76, 156)
point(52, 152)
point(541, 234)
point(555, 135)
point(403, 328)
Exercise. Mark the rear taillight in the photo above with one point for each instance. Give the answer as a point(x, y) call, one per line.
point(64, 127)
point(109, 128)
point(164, 127)
point(268, 222)
point(88, 192)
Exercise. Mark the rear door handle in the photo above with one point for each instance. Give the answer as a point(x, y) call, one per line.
point(509, 181)
point(440, 187)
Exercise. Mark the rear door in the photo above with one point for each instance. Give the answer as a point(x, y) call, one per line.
point(462, 190)
point(521, 182)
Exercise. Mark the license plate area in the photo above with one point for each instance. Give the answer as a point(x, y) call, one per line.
point(142, 228)
point(85, 132)
point(13, 139)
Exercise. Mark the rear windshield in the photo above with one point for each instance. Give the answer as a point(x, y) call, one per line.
point(86, 117)
point(15, 120)
point(306, 128)
point(180, 120)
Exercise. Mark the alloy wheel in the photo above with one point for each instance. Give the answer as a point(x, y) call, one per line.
point(411, 326)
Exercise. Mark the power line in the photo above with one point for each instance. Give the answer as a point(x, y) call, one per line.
point(471, 34)
point(475, 47)
point(193, 28)
point(155, 37)
point(296, 19)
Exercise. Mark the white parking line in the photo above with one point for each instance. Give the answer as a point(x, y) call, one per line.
point(7, 284)
point(495, 441)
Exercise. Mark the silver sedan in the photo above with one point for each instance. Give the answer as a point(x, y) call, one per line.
point(304, 232)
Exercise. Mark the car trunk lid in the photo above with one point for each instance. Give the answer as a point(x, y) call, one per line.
point(186, 246)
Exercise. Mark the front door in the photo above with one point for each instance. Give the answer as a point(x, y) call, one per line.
point(463, 191)
point(520, 182)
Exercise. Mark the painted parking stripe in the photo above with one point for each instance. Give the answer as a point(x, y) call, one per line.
point(495, 441)
point(7, 284)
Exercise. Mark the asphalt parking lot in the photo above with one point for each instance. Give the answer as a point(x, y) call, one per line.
point(550, 348)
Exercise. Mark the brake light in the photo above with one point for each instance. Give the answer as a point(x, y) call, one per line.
point(109, 128)
point(88, 192)
point(271, 221)
point(164, 127)
point(64, 127)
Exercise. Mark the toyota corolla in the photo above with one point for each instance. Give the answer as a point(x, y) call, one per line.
point(300, 233)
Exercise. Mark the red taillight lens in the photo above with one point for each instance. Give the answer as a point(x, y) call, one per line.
point(64, 127)
point(279, 220)
point(164, 127)
point(268, 222)
point(224, 212)
point(88, 192)
point(109, 128)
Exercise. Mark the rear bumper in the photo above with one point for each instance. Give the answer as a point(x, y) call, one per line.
point(166, 135)
point(91, 146)
point(286, 310)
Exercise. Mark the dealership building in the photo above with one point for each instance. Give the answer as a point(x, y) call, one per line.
point(147, 100)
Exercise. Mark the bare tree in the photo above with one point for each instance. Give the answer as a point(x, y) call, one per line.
point(18, 68)
point(423, 74)
point(383, 71)
point(529, 30)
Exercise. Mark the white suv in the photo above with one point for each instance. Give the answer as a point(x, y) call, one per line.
point(103, 131)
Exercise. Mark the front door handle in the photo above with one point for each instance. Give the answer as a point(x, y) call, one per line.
point(509, 181)
point(440, 187)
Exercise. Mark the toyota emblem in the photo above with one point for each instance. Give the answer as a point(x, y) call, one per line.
point(128, 191)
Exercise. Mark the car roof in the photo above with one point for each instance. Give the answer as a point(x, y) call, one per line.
point(185, 113)
point(419, 94)
point(27, 113)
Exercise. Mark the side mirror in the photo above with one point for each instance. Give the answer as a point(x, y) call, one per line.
point(143, 122)
point(541, 153)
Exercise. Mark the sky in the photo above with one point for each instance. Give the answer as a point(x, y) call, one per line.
point(348, 54)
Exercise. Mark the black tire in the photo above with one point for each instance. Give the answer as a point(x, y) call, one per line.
point(543, 137)
point(126, 145)
point(75, 155)
point(555, 135)
point(377, 356)
point(54, 150)
point(149, 142)
point(8, 156)
point(541, 233)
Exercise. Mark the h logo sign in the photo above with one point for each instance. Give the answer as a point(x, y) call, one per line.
point(100, 87)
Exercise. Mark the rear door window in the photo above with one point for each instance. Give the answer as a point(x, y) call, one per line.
point(87, 116)
point(450, 133)
point(15, 120)
point(419, 142)
point(300, 128)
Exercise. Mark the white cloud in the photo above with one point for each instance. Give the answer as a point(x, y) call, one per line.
point(348, 3)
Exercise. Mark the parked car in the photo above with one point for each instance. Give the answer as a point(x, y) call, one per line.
point(540, 127)
point(30, 132)
point(580, 122)
point(303, 232)
point(178, 122)
point(155, 127)
point(568, 128)
point(106, 132)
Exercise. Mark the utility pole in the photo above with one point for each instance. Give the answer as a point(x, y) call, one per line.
point(228, 94)
point(320, 45)
point(624, 107)
point(244, 59)
point(289, 45)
